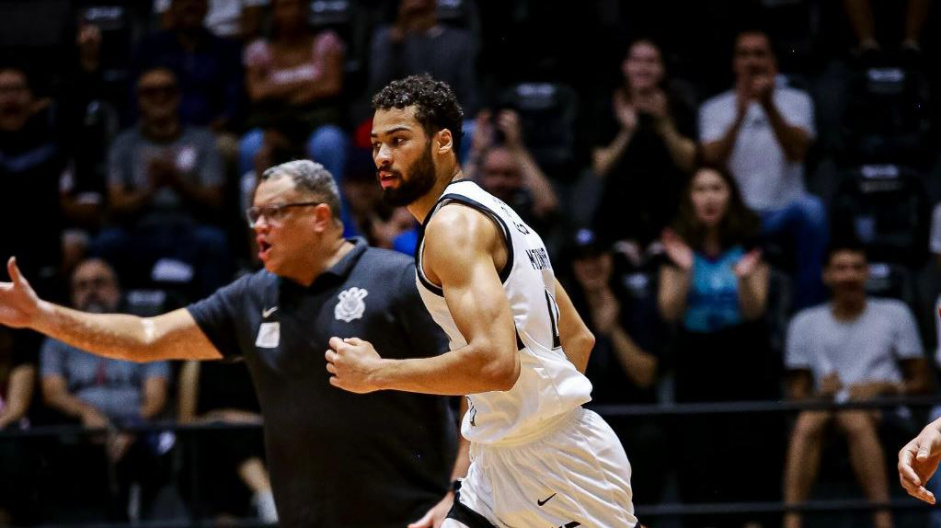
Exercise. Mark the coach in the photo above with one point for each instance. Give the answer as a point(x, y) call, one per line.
point(336, 459)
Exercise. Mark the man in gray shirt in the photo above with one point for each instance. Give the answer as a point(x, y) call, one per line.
point(851, 349)
point(165, 183)
point(101, 392)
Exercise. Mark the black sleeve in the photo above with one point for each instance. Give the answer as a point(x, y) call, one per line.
point(425, 337)
point(218, 316)
point(25, 348)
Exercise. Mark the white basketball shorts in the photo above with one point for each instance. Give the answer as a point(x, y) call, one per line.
point(575, 475)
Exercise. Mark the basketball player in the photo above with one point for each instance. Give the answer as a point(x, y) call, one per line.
point(337, 460)
point(518, 348)
point(918, 462)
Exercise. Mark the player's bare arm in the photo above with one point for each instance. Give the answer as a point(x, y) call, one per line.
point(460, 250)
point(174, 335)
point(918, 462)
point(577, 339)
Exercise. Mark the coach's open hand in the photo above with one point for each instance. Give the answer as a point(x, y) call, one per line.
point(19, 304)
point(353, 364)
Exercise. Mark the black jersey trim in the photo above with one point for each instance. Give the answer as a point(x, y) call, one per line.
point(474, 204)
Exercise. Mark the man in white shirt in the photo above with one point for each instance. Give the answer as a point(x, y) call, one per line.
point(762, 130)
point(851, 349)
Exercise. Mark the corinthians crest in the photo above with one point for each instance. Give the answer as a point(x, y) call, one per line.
point(351, 305)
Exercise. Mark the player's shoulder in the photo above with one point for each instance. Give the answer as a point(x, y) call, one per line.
point(457, 224)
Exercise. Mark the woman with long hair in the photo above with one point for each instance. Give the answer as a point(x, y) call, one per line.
point(715, 287)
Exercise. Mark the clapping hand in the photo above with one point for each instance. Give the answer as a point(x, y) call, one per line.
point(678, 250)
point(748, 264)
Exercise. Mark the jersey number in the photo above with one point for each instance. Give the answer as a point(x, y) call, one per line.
point(554, 319)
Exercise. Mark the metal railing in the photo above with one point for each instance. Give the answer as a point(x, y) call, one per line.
point(666, 411)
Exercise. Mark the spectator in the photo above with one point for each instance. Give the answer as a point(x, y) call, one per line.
point(216, 392)
point(92, 125)
point(501, 164)
point(761, 130)
point(164, 181)
point(296, 75)
point(207, 68)
point(861, 18)
point(852, 349)
point(104, 393)
point(31, 161)
point(230, 19)
point(642, 150)
point(386, 225)
point(18, 504)
point(624, 367)
point(415, 44)
point(716, 288)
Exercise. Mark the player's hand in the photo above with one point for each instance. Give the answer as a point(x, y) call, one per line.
point(19, 305)
point(353, 363)
point(436, 515)
point(918, 462)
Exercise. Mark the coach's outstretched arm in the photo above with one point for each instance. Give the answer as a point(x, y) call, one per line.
point(174, 335)
point(918, 462)
point(460, 245)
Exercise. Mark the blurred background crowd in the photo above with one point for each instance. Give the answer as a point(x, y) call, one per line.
point(743, 198)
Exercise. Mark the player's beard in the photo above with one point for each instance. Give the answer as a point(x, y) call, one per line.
point(421, 178)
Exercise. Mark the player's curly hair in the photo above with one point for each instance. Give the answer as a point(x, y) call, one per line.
point(436, 106)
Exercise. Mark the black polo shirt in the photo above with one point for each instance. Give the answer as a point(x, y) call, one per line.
point(339, 459)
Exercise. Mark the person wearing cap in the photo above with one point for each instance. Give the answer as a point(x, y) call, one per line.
point(336, 459)
point(625, 365)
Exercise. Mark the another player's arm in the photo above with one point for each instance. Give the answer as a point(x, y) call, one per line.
point(577, 340)
point(459, 248)
point(174, 335)
point(918, 462)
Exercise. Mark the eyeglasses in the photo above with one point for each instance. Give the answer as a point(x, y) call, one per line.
point(273, 213)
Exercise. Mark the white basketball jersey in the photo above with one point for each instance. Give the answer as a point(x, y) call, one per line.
point(549, 385)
